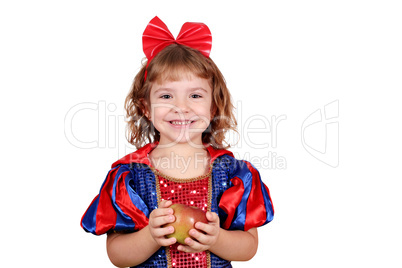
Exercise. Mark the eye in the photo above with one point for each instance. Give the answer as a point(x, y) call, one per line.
point(196, 96)
point(165, 96)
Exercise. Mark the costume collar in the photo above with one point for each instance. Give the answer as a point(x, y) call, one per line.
point(141, 155)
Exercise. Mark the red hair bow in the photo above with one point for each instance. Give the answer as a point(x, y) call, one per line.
point(157, 36)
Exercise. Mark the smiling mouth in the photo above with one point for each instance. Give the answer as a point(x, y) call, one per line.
point(181, 123)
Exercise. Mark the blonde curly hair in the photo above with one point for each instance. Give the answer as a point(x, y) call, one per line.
point(169, 65)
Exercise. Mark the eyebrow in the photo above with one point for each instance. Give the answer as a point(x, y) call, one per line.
point(170, 89)
point(199, 88)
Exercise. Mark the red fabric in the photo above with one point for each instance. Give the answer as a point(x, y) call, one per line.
point(230, 199)
point(141, 155)
point(256, 212)
point(123, 200)
point(157, 36)
point(191, 193)
point(106, 215)
point(215, 153)
point(269, 195)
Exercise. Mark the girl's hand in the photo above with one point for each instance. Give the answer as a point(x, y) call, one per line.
point(204, 236)
point(159, 217)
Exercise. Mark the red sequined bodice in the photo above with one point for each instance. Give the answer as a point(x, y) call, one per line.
point(192, 192)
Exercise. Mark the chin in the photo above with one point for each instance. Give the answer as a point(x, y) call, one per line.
point(185, 140)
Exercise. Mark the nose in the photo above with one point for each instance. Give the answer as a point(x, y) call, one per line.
point(181, 106)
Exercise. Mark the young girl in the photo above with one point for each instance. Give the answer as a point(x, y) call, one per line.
point(180, 106)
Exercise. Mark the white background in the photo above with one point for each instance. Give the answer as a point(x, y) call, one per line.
point(279, 58)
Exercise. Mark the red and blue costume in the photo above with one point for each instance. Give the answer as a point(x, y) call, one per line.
point(133, 188)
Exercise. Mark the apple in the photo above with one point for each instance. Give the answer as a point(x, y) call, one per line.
point(186, 217)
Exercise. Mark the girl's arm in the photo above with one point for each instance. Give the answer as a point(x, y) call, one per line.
point(236, 245)
point(125, 250)
point(230, 245)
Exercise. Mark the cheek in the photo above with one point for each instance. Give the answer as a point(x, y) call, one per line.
point(205, 112)
point(211, 110)
point(158, 111)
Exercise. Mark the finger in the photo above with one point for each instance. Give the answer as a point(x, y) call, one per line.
point(212, 217)
point(199, 237)
point(204, 227)
point(162, 232)
point(161, 220)
point(166, 241)
point(165, 203)
point(191, 246)
point(209, 229)
point(186, 249)
point(162, 212)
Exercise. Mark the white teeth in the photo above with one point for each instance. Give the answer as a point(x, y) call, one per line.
point(180, 122)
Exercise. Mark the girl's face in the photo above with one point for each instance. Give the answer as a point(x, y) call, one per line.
point(181, 110)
